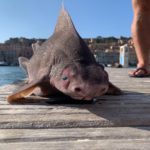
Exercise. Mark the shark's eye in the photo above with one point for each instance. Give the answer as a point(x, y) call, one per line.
point(64, 78)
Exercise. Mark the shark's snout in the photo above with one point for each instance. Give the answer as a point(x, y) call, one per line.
point(88, 92)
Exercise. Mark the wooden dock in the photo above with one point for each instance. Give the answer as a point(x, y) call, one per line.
point(110, 123)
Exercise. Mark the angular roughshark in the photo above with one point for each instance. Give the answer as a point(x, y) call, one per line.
point(65, 64)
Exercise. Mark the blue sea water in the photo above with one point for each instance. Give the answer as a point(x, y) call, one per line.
point(10, 75)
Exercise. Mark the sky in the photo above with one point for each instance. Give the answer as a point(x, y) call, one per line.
point(37, 18)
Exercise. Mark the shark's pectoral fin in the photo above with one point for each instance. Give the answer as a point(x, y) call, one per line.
point(113, 90)
point(25, 91)
point(23, 63)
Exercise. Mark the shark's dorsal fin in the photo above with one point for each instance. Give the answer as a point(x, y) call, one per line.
point(64, 22)
point(67, 39)
point(62, 4)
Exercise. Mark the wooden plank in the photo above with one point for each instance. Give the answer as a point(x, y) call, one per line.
point(87, 138)
point(80, 145)
point(73, 120)
point(31, 135)
point(104, 113)
point(110, 108)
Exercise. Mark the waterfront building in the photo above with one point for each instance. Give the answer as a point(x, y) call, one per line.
point(10, 53)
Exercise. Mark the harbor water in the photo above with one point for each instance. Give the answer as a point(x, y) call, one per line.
point(9, 75)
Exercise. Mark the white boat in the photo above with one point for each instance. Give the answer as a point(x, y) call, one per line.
point(3, 63)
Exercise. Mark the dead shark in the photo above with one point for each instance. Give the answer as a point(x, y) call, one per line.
point(64, 63)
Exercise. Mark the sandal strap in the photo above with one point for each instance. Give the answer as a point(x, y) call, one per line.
point(140, 69)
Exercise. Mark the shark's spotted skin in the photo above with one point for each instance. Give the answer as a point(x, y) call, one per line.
point(63, 63)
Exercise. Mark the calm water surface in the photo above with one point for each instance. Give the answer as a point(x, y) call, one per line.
point(9, 75)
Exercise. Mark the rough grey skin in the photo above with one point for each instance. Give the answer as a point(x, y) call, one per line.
point(64, 63)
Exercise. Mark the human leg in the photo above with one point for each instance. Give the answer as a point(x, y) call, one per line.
point(141, 35)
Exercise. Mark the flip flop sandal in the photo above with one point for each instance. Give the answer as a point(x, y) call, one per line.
point(142, 75)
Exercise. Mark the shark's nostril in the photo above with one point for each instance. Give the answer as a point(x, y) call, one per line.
point(103, 89)
point(77, 89)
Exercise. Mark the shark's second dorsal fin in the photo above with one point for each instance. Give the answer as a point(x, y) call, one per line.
point(23, 63)
point(36, 46)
